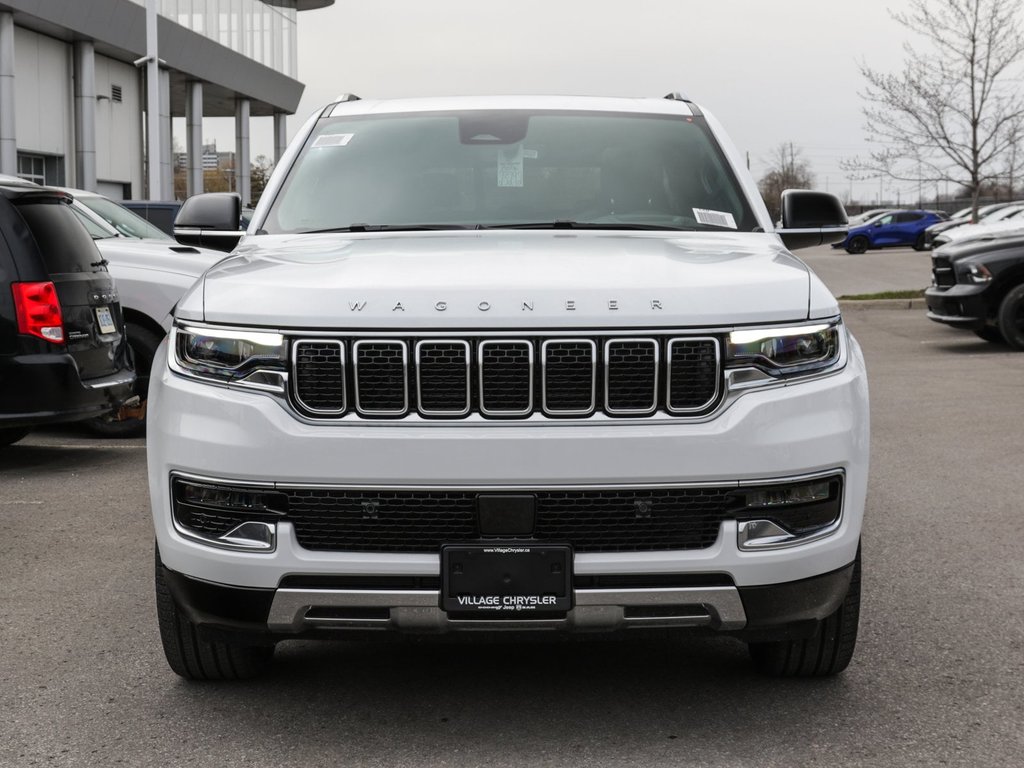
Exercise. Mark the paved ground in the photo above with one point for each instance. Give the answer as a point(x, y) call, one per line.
point(937, 678)
point(887, 269)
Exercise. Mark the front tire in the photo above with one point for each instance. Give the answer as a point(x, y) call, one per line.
point(858, 244)
point(826, 653)
point(1011, 317)
point(194, 657)
point(921, 243)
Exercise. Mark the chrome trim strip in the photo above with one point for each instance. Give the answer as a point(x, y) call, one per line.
point(607, 377)
point(295, 376)
point(485, 488)
point(668, 373)
point(419, 385)
point(593, 608)
point(544, 377)
point(405, 377)
point(481, 348)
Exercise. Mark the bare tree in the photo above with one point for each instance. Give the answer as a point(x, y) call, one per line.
point(787, 169)
point(953, 113)
point(259, 175)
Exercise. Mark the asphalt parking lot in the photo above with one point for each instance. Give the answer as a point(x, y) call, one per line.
point(937, 678)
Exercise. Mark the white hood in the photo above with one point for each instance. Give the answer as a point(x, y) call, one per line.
point(503, 279)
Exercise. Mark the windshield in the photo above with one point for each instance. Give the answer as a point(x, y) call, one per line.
point(96, 230)
point(510, 168)
point(121, 219)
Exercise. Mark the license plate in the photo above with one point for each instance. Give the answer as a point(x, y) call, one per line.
point(105, 319)
point(506, 580)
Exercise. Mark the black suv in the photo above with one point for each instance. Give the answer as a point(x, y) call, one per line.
point(979, 286)
point(63, 354)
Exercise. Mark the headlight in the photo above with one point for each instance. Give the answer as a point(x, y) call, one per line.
point(786, 351)
point(978, 273)
point(247, 358)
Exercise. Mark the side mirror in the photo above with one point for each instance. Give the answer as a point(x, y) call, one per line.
point(878, 223)
point(811, 218)
point(210, 220)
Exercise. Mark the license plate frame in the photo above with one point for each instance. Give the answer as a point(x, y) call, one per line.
point(504, 580)
point(105, 320)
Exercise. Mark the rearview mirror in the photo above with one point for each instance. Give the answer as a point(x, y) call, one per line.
point(210, 220)
point(811, 218)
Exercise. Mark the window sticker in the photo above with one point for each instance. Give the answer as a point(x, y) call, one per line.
point(530, 154)
point(333, 140)
point(715, 218)
point(510, 167)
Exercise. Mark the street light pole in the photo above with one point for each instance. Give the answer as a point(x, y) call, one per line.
point(153, 149)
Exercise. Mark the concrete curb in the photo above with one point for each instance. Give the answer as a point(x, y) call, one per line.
point(853, 304)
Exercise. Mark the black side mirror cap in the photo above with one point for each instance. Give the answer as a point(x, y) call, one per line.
point(210, 220)
point(811, 218)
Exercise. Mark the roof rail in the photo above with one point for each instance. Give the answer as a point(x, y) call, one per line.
point(346, 97)
point(677, 96)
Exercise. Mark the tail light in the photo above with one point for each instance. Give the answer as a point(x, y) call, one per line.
point(38, 311)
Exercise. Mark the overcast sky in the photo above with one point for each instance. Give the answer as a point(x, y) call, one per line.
point(771, 70)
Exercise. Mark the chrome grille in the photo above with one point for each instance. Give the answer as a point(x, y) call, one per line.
point(559, 377)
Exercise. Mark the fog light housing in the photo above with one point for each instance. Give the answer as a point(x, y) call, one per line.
point(786, 514)
point(227, 516)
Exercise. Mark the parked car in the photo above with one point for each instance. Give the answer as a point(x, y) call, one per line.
point(152, 272)
point(63, 353)
point(1008, 219)
point(891, 229)
point(866, 216)
point(524, 363)
point(978, 285)
point(159, 213)
point(959, 219)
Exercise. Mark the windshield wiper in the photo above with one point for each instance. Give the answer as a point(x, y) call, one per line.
point(566, 224)
point(385, 228)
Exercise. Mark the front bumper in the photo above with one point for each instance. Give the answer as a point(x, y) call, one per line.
point(960, 306)
point(782, 432)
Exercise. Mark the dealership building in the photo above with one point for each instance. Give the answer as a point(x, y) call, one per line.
point(74, 102)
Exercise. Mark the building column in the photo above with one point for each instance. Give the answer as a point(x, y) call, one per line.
point(166, 144)
point(194, 136)
point(85, 115)
point(280, 135)
point(8, 142)
point(242, 167)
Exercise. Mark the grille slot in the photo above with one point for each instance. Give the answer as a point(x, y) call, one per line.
point(692, 374)
point(319, 376)
point(631, 376)
point(442, 377)
point(381, 374)
point(626, 520)
point(506, 377)
point(570, 375)
point(942, 270)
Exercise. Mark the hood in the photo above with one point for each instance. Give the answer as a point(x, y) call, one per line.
point(1012, 242)
point(504, 279)
point(159, 255)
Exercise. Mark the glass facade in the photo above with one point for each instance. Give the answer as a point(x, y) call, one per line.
point(264, 32)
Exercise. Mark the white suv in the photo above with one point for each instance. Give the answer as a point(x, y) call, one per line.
point(514, 364)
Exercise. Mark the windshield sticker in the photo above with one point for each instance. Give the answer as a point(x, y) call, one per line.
point(510, 167)
point(715, 218)
point(333, 140)
point(530, 154)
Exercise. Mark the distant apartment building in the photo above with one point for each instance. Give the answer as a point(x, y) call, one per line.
point(73, 91)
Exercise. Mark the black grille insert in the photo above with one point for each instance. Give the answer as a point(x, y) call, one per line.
point(626, 520)
point(320, 376)
point(382, 387)
point(506, 377)
point(570, 367)
point(631, 376)
point(693, 374)
point(442, 370)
